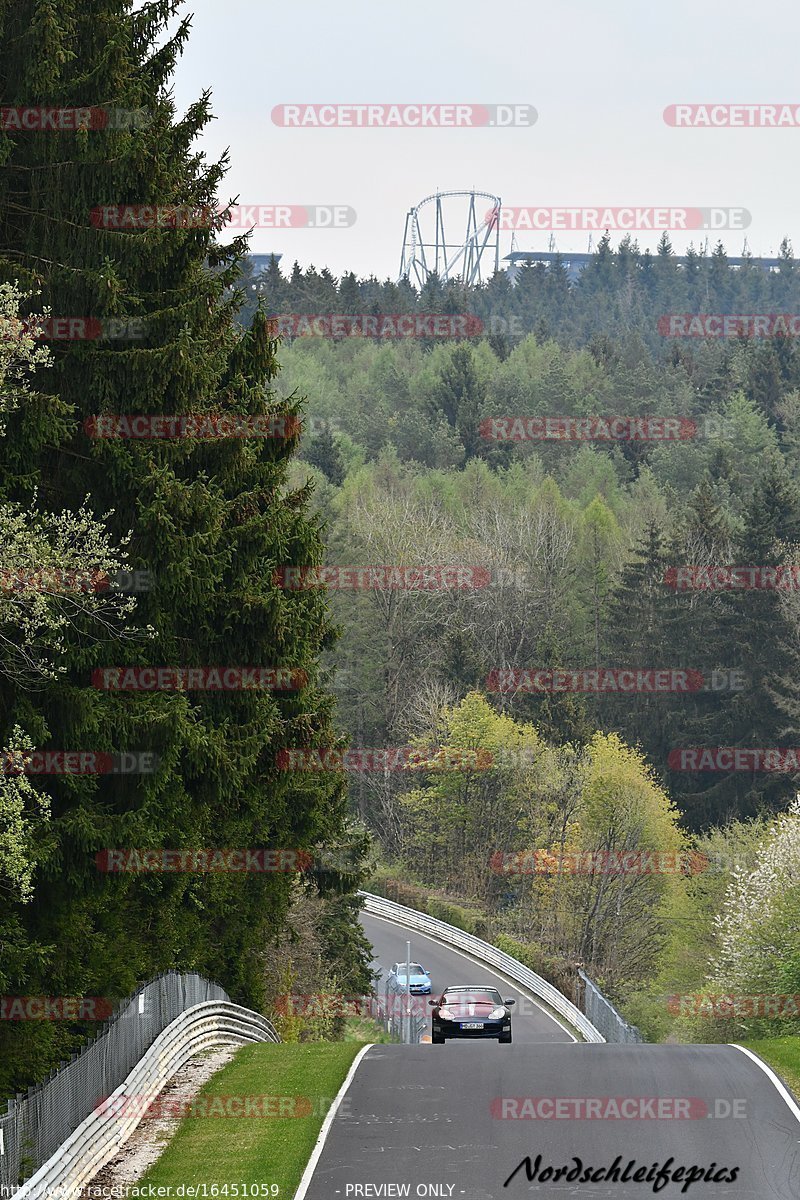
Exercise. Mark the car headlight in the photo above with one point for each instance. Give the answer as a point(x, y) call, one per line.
point(497, 1013)
point(445, 1014)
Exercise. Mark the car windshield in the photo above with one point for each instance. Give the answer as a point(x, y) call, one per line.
point(472, 996)
point(416, 969)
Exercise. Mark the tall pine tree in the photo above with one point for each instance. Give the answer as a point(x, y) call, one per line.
point(211, 521)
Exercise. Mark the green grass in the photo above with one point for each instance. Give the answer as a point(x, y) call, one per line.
point(257, 1150)
point(361, 1029)
point(783, 1055)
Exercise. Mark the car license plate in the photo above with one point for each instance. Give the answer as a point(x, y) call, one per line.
point(472, 1024)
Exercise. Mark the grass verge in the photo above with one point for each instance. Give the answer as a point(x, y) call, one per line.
point(266, 1150)
point(362, 1029)
point(783, 1055)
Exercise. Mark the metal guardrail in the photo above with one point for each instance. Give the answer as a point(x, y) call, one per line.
point(411, 918)
point(210, 1025)
point(36, 1124)
point(604, 1016)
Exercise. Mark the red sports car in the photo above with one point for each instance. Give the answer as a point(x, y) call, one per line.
point(471, 1012)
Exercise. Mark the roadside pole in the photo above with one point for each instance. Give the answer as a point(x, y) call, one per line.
point(407, 1037)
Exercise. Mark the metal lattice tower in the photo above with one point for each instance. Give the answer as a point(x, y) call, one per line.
point(427, 250)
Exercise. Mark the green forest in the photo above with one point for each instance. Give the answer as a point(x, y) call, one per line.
point(583, 542)
point(388, 461)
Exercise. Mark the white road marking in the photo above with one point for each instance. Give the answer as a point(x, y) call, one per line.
point(326, 1125)
point(772, 1076)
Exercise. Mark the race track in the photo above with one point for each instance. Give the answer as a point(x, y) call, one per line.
point(550, 1117)
point(425, 1117)
point(530, 1022)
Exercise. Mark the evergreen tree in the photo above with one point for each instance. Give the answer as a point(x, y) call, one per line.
point(459, 393)
point(211, 522)
point(669, 285)
point(595, 285)
point(324, 453)
point(785, 280)
point(558, 294)
point(641, 635)
point(752, 629)
point(721, 281)
point(704, 538)
point(296, 286)
point(349, 294)
point(560, 716)
point(272, 286)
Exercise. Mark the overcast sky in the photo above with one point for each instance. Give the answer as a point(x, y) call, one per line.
point(599, 77)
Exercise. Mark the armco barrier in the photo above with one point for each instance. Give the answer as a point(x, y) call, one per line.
point(451, 936)
point(208, 1026)
point(38, 1122)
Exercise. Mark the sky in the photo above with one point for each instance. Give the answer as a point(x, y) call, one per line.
point(598, 76)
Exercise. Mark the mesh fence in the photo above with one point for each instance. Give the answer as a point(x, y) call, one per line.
point(604, 1016)
point(36, 1124)
point(405, 1019)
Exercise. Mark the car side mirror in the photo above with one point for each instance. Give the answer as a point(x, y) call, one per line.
point(433, 1002)
point(509, 1002)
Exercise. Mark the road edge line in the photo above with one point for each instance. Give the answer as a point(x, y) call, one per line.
point(776, 1082)
point(316, 1153)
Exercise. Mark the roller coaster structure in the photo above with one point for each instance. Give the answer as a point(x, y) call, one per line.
point(427, 250)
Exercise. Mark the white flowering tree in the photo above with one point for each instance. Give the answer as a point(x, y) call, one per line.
point(20, 352)
point(758, 933)
point(23, 815)
point(54, 574)
point(55, 568)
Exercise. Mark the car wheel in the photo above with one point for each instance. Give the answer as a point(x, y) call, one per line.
point(437, 1039)
point(504, 1039)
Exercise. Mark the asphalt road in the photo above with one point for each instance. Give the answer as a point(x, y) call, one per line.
point(460, 1121)
point(529, 1022)
point(429, 1121)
